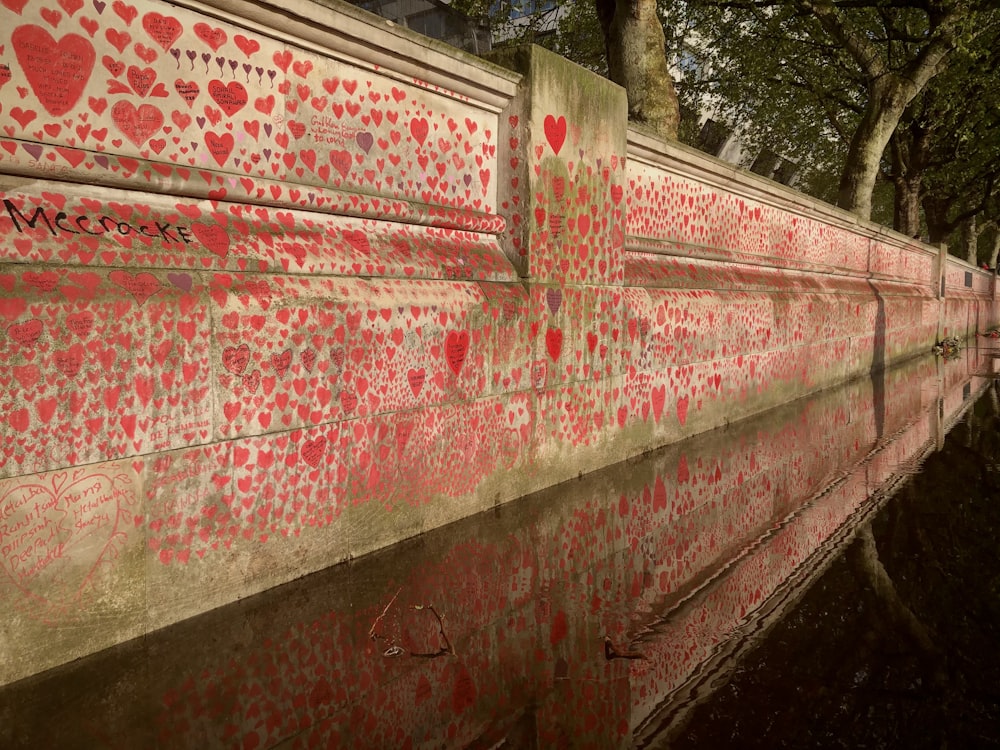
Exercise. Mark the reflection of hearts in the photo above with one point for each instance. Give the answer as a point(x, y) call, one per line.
point(138, 125)
point(65, 527)
point(141, 286)
point(57, 71)
point(456, 346)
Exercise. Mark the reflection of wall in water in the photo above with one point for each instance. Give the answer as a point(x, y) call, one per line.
point(673, 555)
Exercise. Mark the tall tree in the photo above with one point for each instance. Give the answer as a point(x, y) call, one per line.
point(914, 49)
point(855, 64)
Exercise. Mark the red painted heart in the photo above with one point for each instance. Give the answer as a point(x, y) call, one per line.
point(138, 125)
point(212, 236)
point(68, 525)
point(164, 30)
point(456, 346)
point(236, 358)
point(141, 286)
point(57, 71)
point(231, 97)
point(555, 131)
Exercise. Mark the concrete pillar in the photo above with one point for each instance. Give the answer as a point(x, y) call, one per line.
point(563, 196)
point(563, 192)
point(940, 291)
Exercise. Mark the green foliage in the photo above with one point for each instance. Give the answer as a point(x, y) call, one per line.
point(785, 80)
point(960, 111)
point(580, 39)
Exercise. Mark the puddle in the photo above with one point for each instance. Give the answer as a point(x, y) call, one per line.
point(638, 606)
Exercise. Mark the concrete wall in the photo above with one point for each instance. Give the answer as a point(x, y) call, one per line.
point(280, 286)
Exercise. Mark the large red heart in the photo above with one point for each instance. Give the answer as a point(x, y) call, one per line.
point(57, 71)
point(60, 528)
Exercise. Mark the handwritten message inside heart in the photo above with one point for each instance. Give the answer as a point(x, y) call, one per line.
point(57, 71)
point(164, 30)
point(456, 346)
point(141, 286)
point(231, 97)
point(56, 530)
point(138, 125)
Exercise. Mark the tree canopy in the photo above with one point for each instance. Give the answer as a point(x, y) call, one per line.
point(888, 107)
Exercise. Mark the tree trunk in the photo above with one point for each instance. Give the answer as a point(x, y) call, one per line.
point(869, 569)
point(995, 254)
point(907, 206)
point(909, 147)
point(936, 215)
point(637, 60)
point(971, 238)
point(886, 102)
point(891, 88)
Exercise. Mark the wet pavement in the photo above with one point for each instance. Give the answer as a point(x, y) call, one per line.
point(822, 576)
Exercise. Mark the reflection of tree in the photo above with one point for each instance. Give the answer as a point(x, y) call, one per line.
point(898, 643)
point(899, 618)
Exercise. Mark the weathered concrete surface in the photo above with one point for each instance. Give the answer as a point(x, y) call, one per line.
point(283, 289)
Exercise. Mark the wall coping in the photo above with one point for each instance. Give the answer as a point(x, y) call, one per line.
point(689, 162)
point(352, 35)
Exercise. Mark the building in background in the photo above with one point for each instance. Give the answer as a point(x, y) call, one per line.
point(435, 19)
point(711, 134)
